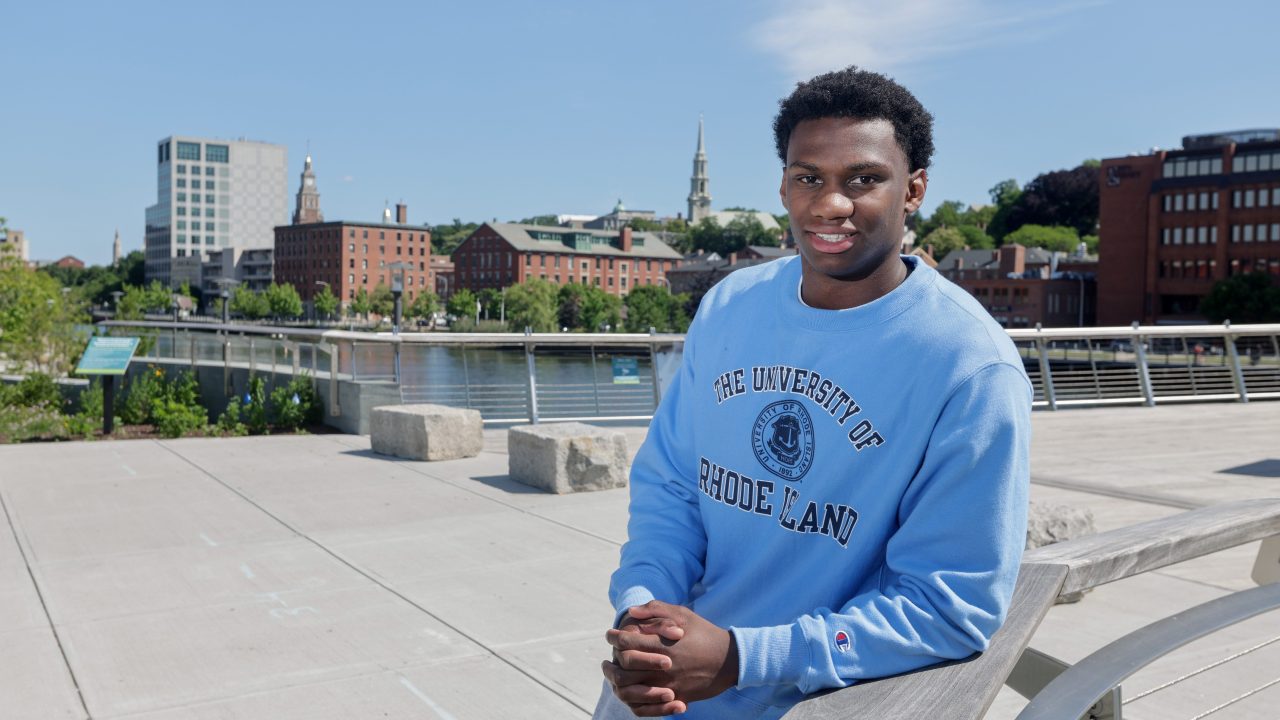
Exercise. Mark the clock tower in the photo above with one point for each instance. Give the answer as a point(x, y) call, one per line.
point(308, 207)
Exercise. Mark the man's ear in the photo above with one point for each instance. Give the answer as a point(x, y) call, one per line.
point(916, 185)
point(782, 190)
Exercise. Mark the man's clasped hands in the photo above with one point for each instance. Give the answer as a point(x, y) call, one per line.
point(667, 656)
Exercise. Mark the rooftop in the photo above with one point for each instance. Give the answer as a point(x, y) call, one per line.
point(305, 576)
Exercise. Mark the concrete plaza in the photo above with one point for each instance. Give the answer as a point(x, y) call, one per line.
point(306, 577)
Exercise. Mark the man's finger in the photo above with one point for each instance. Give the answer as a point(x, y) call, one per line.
point(621, 677)
point(663, 627)
point(653, 609)
point(622, 640)
point(659, 710)
point(638, 660)
point(634, 695)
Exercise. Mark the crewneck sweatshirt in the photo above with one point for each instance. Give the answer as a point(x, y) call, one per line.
point(845, 490)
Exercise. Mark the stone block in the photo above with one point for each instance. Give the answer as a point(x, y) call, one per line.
point(567, 457)
point(1048, 524)
point(426, 432)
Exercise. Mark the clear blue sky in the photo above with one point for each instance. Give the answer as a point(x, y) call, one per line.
point(512, 109)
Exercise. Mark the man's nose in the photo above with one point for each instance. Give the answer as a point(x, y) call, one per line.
point(832, 205)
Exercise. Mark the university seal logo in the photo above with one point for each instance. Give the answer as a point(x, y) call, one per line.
point(782, 438)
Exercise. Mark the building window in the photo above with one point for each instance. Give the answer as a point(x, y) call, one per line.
point(1235, 233)
point(182, 197)
point(182, 182)
point(1264, 198)
point(182, 210)
point(182, 169)
point(1202, 235)
point(215, 153)
point(1247, 233)
point(1177, 203)
point(1213, 235)
point(1235, 199)
point(188, 151)
point(1248, 198)
point(1275, 231)
point(208, 198)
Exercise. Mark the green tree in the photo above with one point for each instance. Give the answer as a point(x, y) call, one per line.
point(975, 238)
point(652, 306)
point(424, 305)
point(571, 297)
point(742, 231)
point(539, 220)
point(532, 304)
point(138, 301)
point(943, 240)
point(446, 238)
point(1063, 239)
point(946, 215)
point(382, 301)
point(283, 301)
point(252, 305)
point(462, 304)
point(1004, 195)
point(490, 303)
point(1064, 197)
point(361, 305)
point(325, 302)
point(1250, 298)
point(599, 309)
point(37, 319)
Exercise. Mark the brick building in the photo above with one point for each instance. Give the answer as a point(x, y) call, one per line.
point(1172, 223)
point(1023, 286)
point(699, 272)
point(349, 256)
point(498, 255)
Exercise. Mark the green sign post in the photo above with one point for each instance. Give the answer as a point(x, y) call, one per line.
point(625, 371)
point(108, 357)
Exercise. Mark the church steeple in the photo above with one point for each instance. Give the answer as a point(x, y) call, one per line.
point(699, 194)
point(308, 207)
point(115, 250)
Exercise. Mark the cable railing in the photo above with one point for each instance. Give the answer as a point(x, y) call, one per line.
point(558, 376)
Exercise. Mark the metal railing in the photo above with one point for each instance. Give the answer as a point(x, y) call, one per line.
point(513, 377)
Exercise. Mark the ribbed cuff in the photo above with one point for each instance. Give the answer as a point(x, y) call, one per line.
point(774, 655)
point(629, 598)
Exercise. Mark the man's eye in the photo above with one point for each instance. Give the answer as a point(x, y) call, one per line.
point(863, 180)
point(807, 179)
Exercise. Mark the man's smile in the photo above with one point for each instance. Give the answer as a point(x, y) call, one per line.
point(832, 241)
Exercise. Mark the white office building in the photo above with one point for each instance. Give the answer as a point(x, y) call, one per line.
point(212, 195)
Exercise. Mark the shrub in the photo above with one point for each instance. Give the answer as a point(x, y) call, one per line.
point(37, 389)
point(255, 406)
point(86, 422)
point(143, 389)
point(295, 404)
point(19, 423)
point(229, 421)
point(177, 411)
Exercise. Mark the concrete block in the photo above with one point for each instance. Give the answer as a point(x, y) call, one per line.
point(1048, 524)
point(567, 457)
point(426, 432)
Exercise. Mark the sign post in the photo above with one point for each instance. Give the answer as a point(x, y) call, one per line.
point(107, 357)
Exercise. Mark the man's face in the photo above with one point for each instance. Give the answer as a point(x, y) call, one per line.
point(848, 190)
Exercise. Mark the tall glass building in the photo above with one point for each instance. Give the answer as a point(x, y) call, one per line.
point(212, 195)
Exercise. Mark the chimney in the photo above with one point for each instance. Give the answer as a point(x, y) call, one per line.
point(402, 214)
point(733, 259)
point(1013, 259)
point(624, 239)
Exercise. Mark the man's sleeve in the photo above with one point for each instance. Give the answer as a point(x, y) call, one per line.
point(949, 569)
point(666, 542)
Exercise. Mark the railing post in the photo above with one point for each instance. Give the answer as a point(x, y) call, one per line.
point(595, 379)
point(1237, 374)
point(1144, 373)
point(253, 359)
point(226, 363)
point(653, 365)
point(334, 408)
point(1046, 376)
point(533, 382)
point(193, 353)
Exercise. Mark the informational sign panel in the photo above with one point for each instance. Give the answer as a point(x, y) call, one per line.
point(107, 356)
point(625, 371)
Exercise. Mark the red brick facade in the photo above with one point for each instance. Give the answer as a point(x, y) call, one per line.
point(486, 259)
point(1173, 223)
point(350, 256)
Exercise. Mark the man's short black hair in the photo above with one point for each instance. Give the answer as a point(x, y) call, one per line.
point(854, 93)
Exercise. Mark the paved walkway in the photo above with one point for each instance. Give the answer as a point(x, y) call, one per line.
point(305, 577)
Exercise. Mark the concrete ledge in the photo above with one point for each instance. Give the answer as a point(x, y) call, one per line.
point(426, 432)
point(567, 457)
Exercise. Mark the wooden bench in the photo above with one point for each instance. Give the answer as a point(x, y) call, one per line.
point(963, 690)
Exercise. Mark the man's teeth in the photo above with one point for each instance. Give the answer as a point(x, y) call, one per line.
point(834, 237)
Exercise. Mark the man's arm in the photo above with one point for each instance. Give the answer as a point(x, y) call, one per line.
point(949, 569)
point(666, 543)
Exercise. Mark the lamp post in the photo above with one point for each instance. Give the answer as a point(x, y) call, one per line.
point(397, 291)
point(115, 303)
point(313, 300)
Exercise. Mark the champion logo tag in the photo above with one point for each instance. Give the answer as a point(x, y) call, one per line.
point(842, 641)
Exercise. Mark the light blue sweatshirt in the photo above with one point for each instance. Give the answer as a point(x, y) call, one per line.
point(845, 490)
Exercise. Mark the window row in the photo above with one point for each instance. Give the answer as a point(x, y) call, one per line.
point(195, 239)
point(1256, 197)
point(1187, 269)
point(195, 170)
point(1193, 166)
point(1255, 161)
point(195, 198)
point(1258, 233)
point(195, 184)
point(1191, 201)
point(195, 225)
point(1202, 235)
point(1244, 266)
point(195, 212)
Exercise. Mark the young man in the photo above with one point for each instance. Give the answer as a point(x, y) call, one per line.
point(834, 488)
